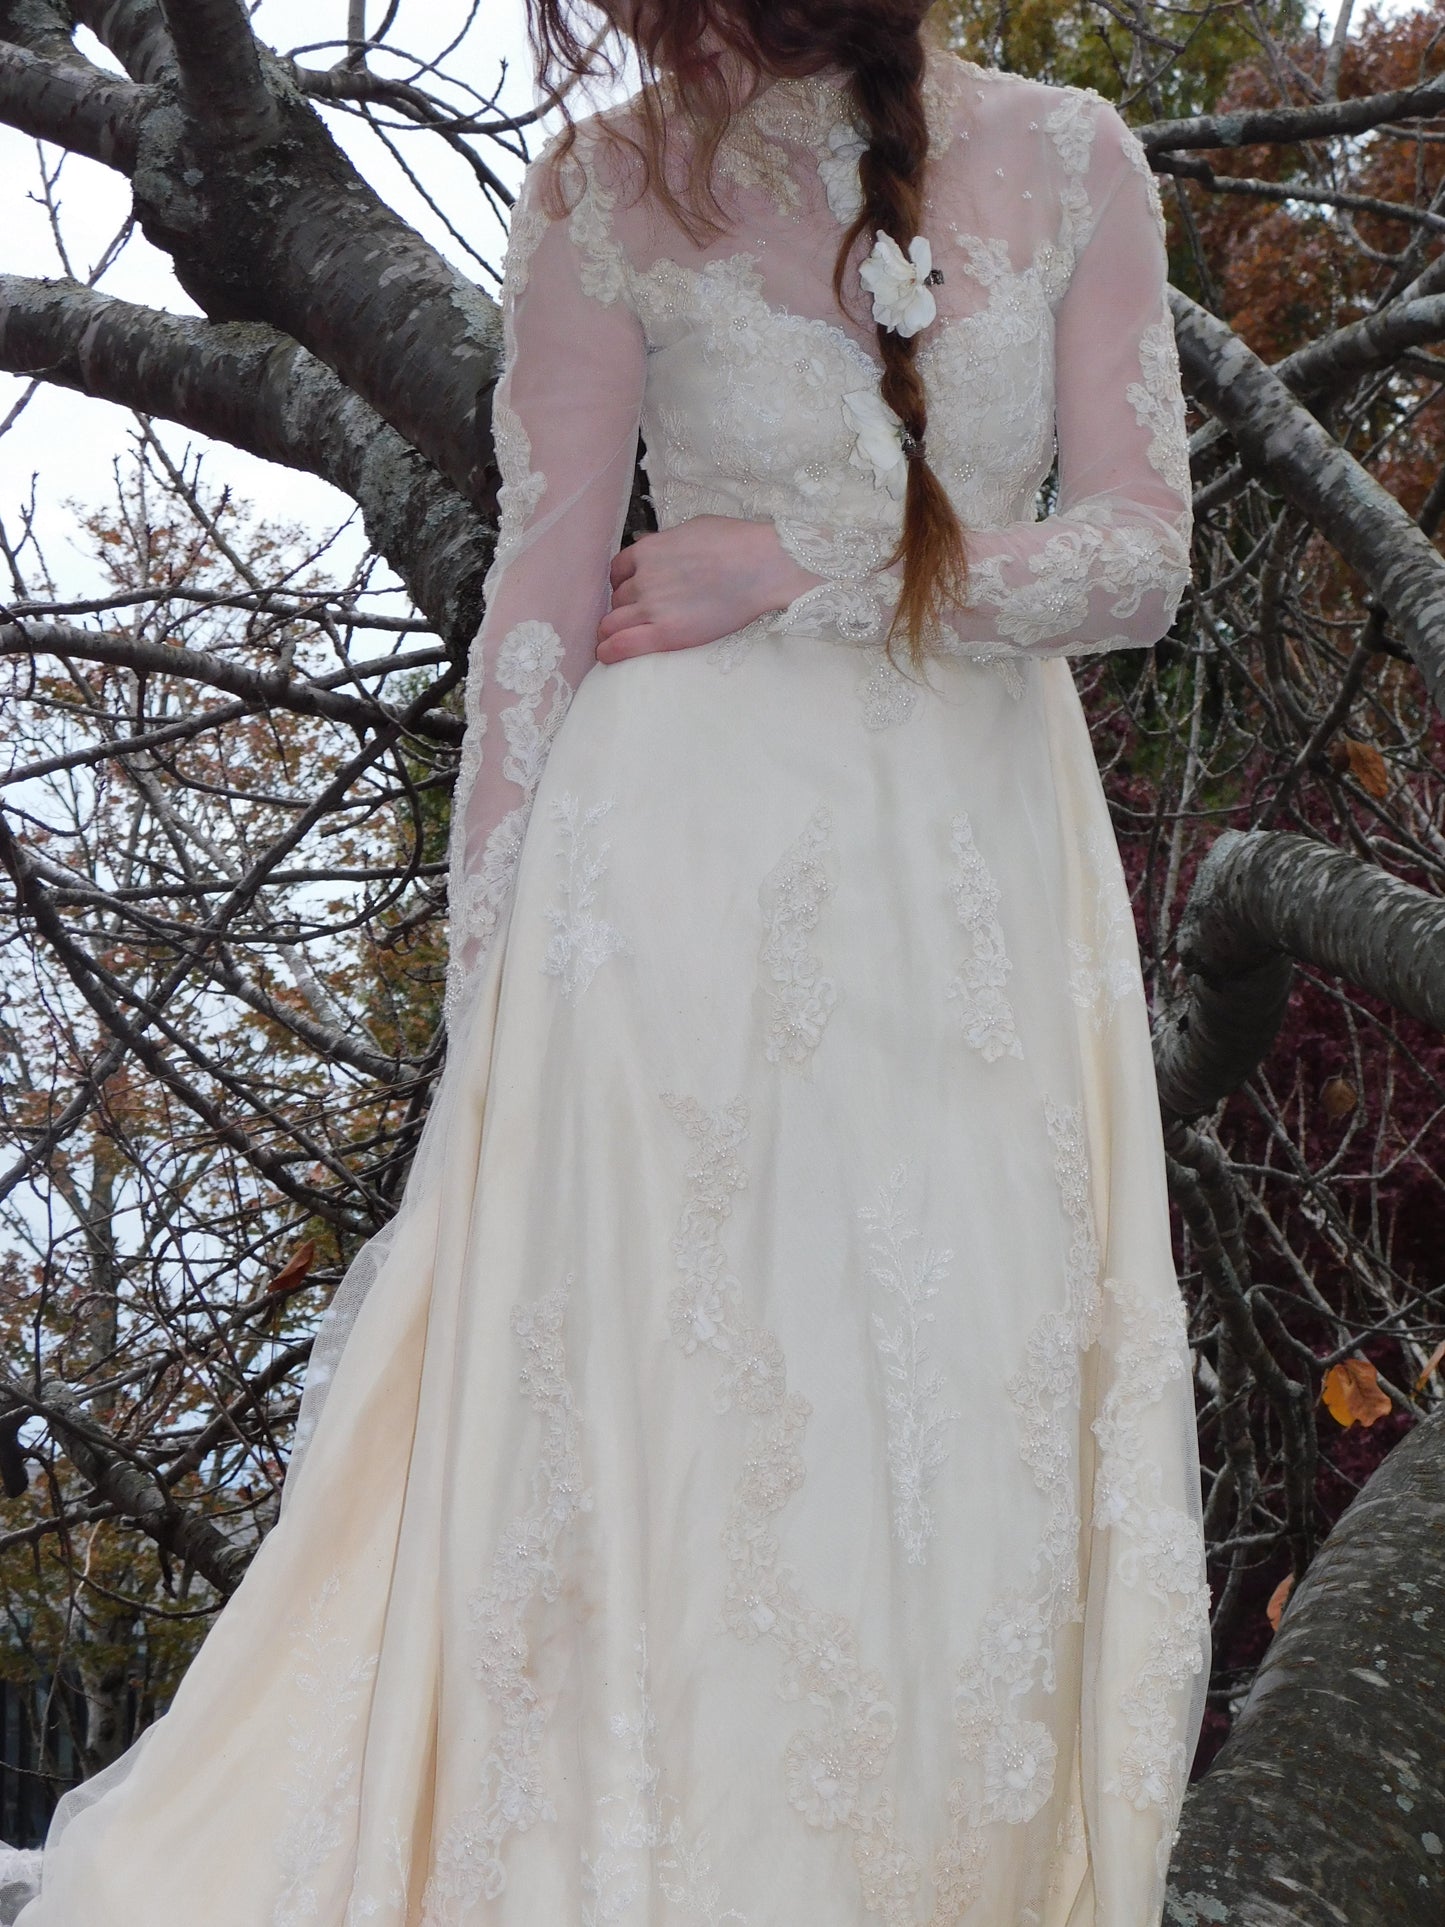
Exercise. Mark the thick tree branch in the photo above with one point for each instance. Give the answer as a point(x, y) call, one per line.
point(41, 26)
point(1323, 1805)
point(222, 84)
point(1282, 443)
point(73, 105)
point(1261, 126)
point(134, 32)
point(290, 234)
point(256, 389)
point(1375, 341)
point(1259, 900)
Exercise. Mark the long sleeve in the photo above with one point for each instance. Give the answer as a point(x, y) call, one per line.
point(565, 419)
point(1107, 569)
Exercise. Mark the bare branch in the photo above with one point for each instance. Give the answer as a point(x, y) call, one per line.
point(1262, 126)
point(222, 83)
point(1283, 443)
point(247, 385)
point(73, 105)
point(1259, 900)
point(123, 1480)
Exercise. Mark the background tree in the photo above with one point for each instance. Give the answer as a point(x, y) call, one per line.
point(223, 821)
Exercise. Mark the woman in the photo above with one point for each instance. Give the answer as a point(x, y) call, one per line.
point(759, 1483)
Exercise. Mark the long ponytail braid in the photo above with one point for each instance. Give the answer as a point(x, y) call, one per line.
point(881, 46)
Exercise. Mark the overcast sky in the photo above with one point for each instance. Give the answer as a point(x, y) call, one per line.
point(70, 441)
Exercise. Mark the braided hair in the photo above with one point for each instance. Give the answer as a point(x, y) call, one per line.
point(881, 48)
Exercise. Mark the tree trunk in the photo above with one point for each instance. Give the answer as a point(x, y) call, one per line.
point(1326, 1805)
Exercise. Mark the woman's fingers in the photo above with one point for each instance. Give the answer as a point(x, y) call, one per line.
point(629, 616)
point(624, 564)
point(643, 639)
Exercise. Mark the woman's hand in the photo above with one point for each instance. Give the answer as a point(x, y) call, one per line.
point(706, 578)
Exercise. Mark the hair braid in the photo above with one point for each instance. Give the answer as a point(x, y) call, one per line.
point(885, 57)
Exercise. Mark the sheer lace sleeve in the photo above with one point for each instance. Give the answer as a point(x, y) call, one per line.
point(1107, 569)
point(565, 419)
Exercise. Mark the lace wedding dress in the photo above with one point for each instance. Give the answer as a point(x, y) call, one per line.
point(759, 1482)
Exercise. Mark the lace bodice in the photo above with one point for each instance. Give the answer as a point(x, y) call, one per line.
point(757, 397)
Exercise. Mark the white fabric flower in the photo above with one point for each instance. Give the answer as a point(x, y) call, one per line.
point(879, 440)
point(527, 657)
point(1018, 1770)
point(839, 171)
point(902, 300)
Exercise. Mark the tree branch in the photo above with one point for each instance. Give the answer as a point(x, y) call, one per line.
point(130, 1485)
point(259, 390)
point(276, 690)
point(223, 86)
point(135, 33)
point(1289, 1824)
point(1282, 443)
point(1261, 126)
point(73, 105)
point(1261, 898)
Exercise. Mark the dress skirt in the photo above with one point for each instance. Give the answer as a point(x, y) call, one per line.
point(761, 1484)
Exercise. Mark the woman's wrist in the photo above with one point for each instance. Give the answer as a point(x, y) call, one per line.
point(779, 577)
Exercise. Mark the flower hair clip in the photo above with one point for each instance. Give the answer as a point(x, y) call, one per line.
point(901, 284)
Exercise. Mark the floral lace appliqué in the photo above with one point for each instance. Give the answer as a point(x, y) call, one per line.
point(1014, 1755)
point(978, 985)
point(1164, 1548)
point(918, 1418)
point(642, 1828)
point(581, 941)
point(468, 1867)
point(829, 1767)
point(1158, 405)
point(1105, 965)
point(800, 997)
point(332, 1686)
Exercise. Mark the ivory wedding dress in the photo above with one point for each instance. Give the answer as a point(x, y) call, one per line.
point(759, 1482)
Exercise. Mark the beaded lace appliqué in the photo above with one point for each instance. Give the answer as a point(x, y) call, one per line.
point(581, 941)
point(641, 1829)
point(978, 986)
point(332, 1691)
point(469, 1868)
point(919, 1420)
point(1015, 1755)
point(830, 1765)
point(1164, 1549)
point(1105, 965)
point(800, 997)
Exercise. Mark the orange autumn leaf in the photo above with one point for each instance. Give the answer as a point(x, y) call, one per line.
point(1338, 1097)
point(1277, 1598)
point(295, 1268)
point(1430, 1364)
point(1352, 1392)
point(1365, 763)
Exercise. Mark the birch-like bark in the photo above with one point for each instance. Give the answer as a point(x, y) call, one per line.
point(1259, 126)
point(1283, 444)
point(1261, 899)
point(250, 386)
point(1324, 1806)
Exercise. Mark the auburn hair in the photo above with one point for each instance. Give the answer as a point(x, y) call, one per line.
point(880, 47)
